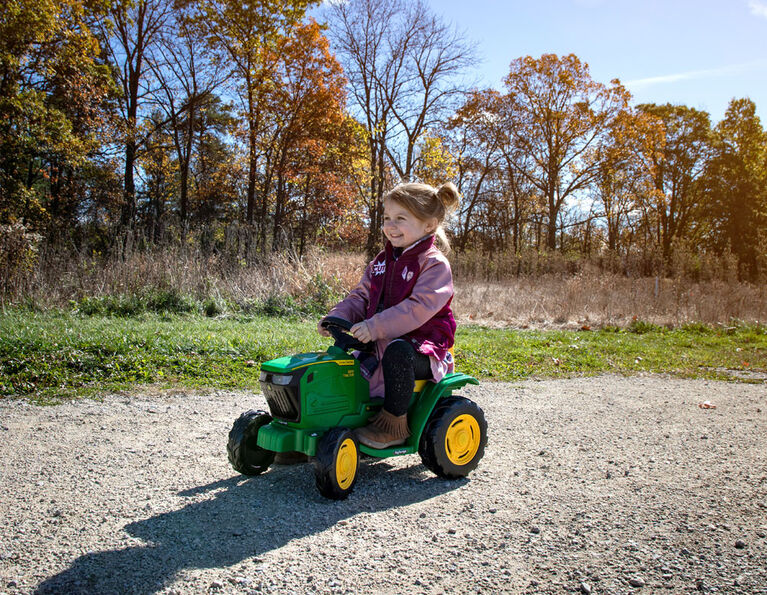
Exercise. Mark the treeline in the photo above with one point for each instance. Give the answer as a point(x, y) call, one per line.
point(252, 127)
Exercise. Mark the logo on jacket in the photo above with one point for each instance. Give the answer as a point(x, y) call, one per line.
point(407, 275)
point(379, 268)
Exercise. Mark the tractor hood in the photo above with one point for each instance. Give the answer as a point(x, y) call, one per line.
point(291, 363)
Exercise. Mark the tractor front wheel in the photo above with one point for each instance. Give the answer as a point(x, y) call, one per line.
point(336, 463)
point(454, 438)
point(245, 455)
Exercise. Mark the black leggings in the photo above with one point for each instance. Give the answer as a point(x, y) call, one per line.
point(402, 366)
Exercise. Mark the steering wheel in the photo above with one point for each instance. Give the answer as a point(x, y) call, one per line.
point(339, 330)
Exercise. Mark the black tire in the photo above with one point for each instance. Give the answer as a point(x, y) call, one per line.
point(245, 455)
point(454, 438)
point(336, 463)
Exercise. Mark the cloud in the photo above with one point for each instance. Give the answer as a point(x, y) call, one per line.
point(758, 8)
point(694, 74)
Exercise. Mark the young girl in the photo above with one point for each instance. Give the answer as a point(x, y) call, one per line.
point(403, 304)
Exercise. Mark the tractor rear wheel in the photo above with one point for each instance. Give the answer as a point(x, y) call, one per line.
point(454, 438)
point(245, 455)
point(336, 463)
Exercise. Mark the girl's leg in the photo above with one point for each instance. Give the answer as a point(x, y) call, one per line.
point(402, 365)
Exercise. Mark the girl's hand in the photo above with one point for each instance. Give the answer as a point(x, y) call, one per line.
point(322, 330)
point(361, 332)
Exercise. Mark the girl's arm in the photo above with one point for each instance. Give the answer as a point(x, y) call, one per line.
point(432, 291)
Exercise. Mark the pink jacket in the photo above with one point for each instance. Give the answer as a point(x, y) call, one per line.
point(408, 296)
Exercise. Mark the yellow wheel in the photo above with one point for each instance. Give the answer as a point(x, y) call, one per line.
point(462, 439)
point(336, 463)
point(346, 464)
point(454, 439)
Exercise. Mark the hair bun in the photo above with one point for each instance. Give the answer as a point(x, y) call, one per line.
point(448, 195)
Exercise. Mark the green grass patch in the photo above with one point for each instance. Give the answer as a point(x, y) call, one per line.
point(693, 351)
point(56, 355)
point(53, 356)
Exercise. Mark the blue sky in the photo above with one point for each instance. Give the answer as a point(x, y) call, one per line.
point(698, 53)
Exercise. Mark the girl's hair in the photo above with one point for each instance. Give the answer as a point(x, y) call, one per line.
point(427, 202)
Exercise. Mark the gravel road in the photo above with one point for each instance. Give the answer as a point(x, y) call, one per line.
point(591, 485)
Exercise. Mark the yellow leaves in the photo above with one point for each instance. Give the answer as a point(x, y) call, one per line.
point(435, 163)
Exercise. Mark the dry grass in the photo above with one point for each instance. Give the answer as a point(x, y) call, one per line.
point(606, 300)
point(59, 278)
point(550, 300)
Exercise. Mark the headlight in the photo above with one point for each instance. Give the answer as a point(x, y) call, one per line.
point(262, 377)
point(281, 379)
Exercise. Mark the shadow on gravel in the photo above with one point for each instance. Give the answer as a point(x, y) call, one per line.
point(238, 519)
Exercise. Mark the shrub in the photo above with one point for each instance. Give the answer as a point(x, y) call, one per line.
point(212, 307)
point(18, 256)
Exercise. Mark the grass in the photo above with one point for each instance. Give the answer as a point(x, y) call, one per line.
point(692, 351)
point(57, 355)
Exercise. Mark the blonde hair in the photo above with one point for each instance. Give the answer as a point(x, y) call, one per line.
point(426, 202)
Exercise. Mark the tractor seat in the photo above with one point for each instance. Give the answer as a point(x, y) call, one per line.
point(420, 384)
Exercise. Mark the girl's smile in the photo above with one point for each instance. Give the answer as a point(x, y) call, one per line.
point(402, 228)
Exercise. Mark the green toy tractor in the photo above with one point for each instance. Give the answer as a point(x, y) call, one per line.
point(316, 400)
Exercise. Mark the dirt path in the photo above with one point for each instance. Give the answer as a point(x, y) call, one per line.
point(601, 485)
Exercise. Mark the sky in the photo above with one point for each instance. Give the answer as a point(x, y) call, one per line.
point(698, 53)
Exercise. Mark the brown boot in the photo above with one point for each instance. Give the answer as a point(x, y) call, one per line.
point(384, 430)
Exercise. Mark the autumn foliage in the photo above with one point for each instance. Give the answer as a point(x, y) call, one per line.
point(208, 123)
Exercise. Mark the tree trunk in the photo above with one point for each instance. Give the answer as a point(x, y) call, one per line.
point(129, 193)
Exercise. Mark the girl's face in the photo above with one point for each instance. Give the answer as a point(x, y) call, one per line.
point(402, 228)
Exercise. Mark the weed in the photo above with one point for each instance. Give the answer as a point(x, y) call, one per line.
point(640, 327)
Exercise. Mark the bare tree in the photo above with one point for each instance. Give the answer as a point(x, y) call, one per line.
point(403, 65)
point(133, 29)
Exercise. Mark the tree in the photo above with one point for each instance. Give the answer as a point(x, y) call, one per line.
point(676, 164)
point(305, 108)
point(188, 78)
point(475, 142)
point(736, 185)
point(53, 96)
point(128, 36)
point(559, 116)
point(625, 175)
point(249, 38)
point(217, 170)
point(402, 63)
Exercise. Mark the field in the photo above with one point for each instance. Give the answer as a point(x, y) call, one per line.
point(56, 355)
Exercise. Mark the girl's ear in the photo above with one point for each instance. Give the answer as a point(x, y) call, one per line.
point(431, 225)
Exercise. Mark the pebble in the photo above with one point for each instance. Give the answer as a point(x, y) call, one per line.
point(535, 530)
point(637, 581)
point(740, 544)
point(585, 588)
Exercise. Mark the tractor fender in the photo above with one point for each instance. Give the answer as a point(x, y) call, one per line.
point(423, 406)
